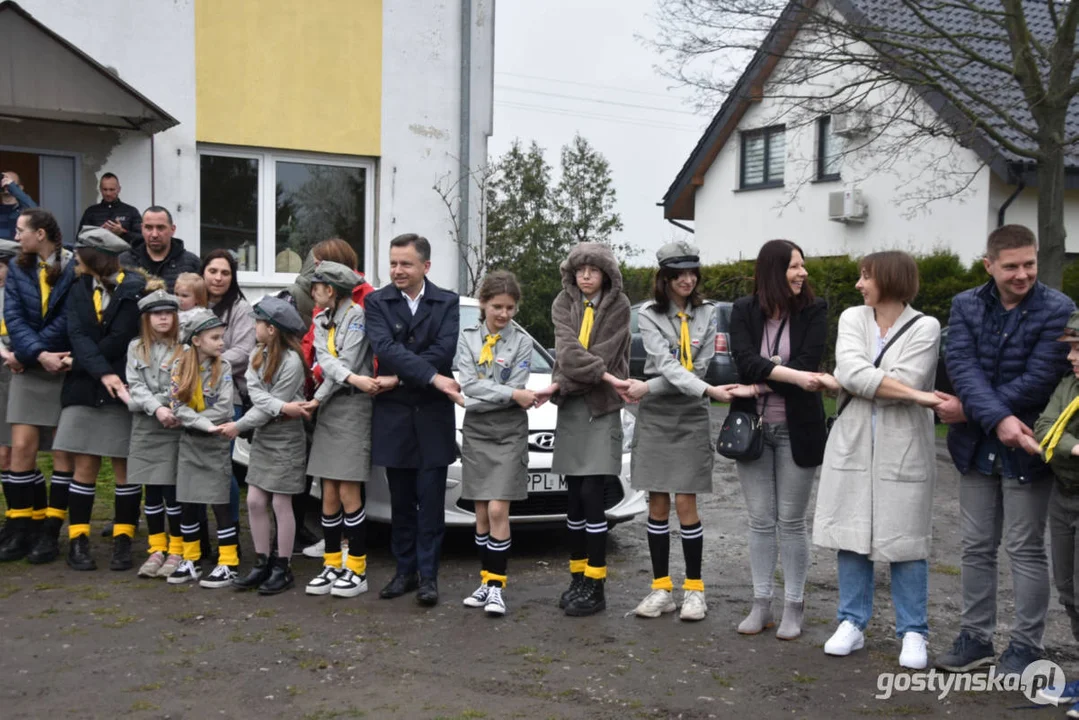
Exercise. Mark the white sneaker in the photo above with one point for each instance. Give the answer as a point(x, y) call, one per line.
point(187, 571)
point(694, 606)
point(222, 576)
point(847, 639)
point(495, 604)
point(323, 582)
point(152, 566)
point(655, 604)
point(172, 562)
point(315, 551)
point(477, 599)
point(349, 584)
point(915, 653)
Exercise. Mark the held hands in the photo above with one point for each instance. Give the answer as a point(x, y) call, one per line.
point(458, 399)
point(545, 394)
point(635, 389)
point(387, 382)
point(114, 385)
point(365, 384)
point(54, 362)
point(950, 410)
point(228, 430)
point(828, 382)
point(446, 385)
point(1014, 433)
point(166, 418)
point(523, 397)
point(927, 399)
point(11, 361)
point(295, 410)
point(310, 406)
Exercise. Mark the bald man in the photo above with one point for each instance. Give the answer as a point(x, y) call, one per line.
point(12, 202)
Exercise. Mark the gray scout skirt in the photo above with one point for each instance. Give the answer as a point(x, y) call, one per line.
point(103, 431)
point(279, 458)
point(5, 388)
point(203, 468)
point(341, 446)
point(34, 398)
point(586, 445)
point(672, 445)
point(494, 455)
point(152, 457)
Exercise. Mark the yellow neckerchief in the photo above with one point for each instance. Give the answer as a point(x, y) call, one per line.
point(1049, 442)
point(43, 284)
point(331, 334)
point(586, 324)
point(99, 290)
point(198, 400)
point(487, 353)
point(685, 345)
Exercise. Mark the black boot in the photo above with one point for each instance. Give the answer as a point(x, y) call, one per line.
point(18, 542)
point(280, 578)
point(121, 553)
point(47, 547)
point(78, 556)
point(589, 601)
point(258, 574)
point(574, 589)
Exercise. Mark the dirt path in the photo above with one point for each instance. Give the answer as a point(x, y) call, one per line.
point(109, 644)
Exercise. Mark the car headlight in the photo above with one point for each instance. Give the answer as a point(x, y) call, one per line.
point(629, 425)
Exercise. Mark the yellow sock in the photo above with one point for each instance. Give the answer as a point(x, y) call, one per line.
point(119, 529)
point(596, 573)
point(663, 583)
point(38, 514)
point(57, 513)
point(500, 579)
point(192, 551)
point(357, 565)
point(176, 545)
point(158, 543)
point(73, 531)
point(483, 577)
point(332, 559)
point(697, 585)
point(27, 513)
point(577, 566)
point(226, 555)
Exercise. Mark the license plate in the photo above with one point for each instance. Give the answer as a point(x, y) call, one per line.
point(545, 483)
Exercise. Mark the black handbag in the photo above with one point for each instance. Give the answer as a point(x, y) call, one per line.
point(830, 422)
point(742, 434)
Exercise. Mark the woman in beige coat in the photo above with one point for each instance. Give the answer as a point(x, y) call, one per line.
point(876, 484)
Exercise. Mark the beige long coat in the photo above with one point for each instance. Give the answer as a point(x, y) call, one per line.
point(876, 483)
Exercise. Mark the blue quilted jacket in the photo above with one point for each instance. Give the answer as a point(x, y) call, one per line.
point(1008, 373)
point(29, 332)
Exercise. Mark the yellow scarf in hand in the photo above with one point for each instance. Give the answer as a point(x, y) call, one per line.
point(43, 284)
point(685, 346)
point(1049, 442)
point(98, 295)
point(586, 324)
point(487, 354)
point(197, 401)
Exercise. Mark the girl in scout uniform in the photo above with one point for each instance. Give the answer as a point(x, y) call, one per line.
point(8, 250)
point(155, 430)
point(494, 359)
point(591, 320)
point(102, 319)
point(35, 317)
point(200, 395)
point(672, 447)
point(275, 381)
point(341, 447)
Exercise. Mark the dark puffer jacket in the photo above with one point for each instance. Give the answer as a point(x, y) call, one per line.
point(1013, 373)
point(29, 332)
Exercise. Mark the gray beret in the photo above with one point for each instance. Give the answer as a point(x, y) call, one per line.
point(159, 300)
point(98, 238)
point(199, 321)
point(336, 275)
point(679, 255)
point(9, 249)
point(280, 312)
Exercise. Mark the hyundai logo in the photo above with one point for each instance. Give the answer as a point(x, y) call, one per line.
point(542, 441)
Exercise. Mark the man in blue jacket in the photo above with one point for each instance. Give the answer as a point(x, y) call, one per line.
point(12, 202)
point(413, 326)
point(1004, 362)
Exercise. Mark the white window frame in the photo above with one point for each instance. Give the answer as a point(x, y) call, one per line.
point(266, 275)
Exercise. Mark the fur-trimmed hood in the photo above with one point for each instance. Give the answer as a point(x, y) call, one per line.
point(595, 254)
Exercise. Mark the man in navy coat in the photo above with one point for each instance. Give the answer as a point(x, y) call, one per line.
point(413, 327)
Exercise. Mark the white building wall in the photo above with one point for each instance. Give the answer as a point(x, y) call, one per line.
point(1023, 210)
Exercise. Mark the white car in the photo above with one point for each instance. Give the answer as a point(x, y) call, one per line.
point(547, 496)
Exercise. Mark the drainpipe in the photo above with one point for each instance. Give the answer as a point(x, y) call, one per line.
point(1004, 208)
point(464, 153)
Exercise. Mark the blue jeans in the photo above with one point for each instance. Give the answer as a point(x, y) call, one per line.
point(234, 489)
point(910, 593)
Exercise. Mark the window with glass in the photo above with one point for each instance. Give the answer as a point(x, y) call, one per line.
point(763, 158)
point(271, 208)
point(829, 150)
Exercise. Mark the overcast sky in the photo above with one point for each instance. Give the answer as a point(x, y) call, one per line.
point(566, 66)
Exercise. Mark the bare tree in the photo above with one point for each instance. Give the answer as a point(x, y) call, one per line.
point(474, 249)
point(996, 76)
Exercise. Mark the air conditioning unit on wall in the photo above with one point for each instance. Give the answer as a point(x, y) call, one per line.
point(850, 123)
point(847, 206)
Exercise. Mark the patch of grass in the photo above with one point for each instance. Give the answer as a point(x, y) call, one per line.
point(42, 614)
point(804, 679)
point(293, 691)
point(722, 680)
point(326, 714)
point(291, 632)
point(120, 621)
point(465, 715)
point(523, 650)
point(42, 587)
point(265, 613)
point(943, 569)
point(148, 687)
point(314, 664)
point(7, 591)
point(142, 706)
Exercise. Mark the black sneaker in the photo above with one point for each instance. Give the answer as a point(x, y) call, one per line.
point(121, 553)
point(47, 547)
point(575, 584)
point(18, 542)
point(280, 580)
point(967, 653)
point(1016, 657)
point(589, 601)
point(258, 574)
point(78, 555)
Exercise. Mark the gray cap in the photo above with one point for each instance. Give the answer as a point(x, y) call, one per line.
point(280, 312)
point(199, 321)
point(679, 255)
point(336, 275)
point(159, 300)
point(9, 249)
point(100, 239)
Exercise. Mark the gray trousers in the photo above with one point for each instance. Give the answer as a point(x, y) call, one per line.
point(993, 508)
point(777, 495)
point(1064, 534)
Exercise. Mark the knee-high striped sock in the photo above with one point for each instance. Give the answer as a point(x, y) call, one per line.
point(332, 526)
point(5, 483)
point(81, 507)
point(597, 550)
point(59, 495)
point(126, 507)
point(41, 499)
point(155, 520)
point(659, 547)
point(498, 552)
point(481, 547)
point(21, 496)
point(191, 529)
point(176, 533)
point(693, 549)
point(356, 532)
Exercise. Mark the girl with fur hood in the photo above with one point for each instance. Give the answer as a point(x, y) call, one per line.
point(591, 319)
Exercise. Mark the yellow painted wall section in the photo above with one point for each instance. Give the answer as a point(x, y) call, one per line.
point(301, 75)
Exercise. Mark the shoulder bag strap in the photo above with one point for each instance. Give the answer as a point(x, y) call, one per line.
point(880, 356)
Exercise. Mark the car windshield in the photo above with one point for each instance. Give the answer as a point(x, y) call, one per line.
point(541, 362)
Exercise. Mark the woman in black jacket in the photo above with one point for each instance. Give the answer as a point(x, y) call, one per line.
point(102, 319)
point(778, 336)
